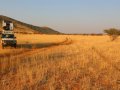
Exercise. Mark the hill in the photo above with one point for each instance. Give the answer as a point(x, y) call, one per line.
point(21, 27)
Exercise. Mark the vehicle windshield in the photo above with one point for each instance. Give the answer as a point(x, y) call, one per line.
point(7, 35)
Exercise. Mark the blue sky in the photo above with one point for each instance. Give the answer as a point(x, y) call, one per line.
point(68, 16)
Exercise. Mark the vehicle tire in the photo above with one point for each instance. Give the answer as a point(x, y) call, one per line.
point(15, 46)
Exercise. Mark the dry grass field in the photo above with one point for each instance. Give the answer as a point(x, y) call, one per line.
point(61, 62)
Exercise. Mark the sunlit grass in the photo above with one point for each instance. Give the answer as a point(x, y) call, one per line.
point(89, 62)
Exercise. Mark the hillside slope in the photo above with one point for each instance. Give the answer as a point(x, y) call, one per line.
point(21, 27)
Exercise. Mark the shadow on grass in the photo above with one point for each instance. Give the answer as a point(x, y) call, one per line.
point(37, 45)
point(44, 45)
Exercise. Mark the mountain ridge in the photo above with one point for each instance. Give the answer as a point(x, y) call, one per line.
point(21, 27)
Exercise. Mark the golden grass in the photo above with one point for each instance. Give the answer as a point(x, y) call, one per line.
point(61, 62)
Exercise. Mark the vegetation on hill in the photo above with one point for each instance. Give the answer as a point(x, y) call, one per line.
point(21, 27)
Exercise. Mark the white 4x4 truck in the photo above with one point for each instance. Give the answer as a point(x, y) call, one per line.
point(8, 38)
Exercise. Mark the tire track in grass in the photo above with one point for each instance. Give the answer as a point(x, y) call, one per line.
point(67, 41)
point(105, 58)
point(52, 45)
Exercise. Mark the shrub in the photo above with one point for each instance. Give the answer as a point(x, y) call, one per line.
point(113, 33)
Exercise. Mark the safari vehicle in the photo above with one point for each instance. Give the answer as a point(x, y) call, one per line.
point(8, 40)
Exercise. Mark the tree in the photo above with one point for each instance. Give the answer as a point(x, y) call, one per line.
point(113, 33)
